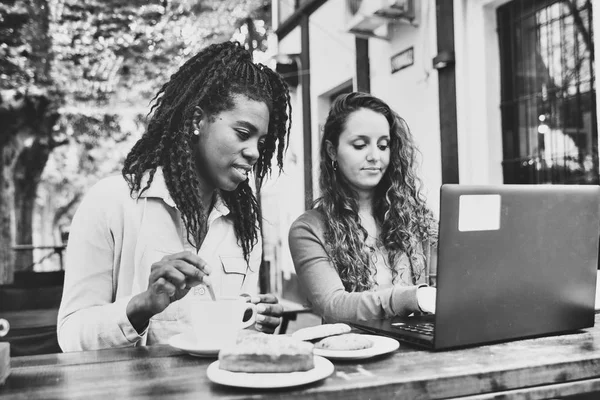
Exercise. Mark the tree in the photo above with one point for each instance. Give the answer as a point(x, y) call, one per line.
point(99, 143)
point(103, 55)
point(28, 111)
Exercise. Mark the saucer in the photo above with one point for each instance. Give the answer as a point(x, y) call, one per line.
point(323, 368)
point(188, 344)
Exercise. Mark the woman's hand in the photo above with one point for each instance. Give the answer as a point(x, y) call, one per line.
point(426, 297)
point(170, 279)
point(268, 312)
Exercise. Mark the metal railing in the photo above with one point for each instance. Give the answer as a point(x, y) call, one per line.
point(54, 250)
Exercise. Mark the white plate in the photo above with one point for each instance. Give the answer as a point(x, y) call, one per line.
point(187, 343)
point(323, 368)
point(381, 345)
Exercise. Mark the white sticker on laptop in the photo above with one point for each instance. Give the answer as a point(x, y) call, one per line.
point(479, 212)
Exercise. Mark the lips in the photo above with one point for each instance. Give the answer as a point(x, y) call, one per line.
point(243, 170)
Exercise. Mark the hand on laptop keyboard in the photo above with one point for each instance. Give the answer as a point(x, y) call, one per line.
point(426, 298)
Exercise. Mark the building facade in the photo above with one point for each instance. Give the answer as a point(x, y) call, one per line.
point(494, 91)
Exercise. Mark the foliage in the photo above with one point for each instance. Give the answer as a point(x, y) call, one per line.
point(14, 47)
point(106, 46)
point(98, 145)
point(99, 63)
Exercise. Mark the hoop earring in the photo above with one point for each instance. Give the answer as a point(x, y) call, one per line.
point(334, 165)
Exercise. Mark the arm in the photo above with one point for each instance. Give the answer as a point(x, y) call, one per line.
point(89, 316)
point(326, 291)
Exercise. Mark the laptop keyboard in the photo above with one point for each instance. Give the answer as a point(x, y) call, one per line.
point(424, 328)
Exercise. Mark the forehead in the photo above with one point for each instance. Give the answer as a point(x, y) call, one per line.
point(366, 122)
point(248, 110)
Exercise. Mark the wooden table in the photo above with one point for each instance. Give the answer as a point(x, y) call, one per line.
point(529, 369)
point(26, 319)
point(31, 331)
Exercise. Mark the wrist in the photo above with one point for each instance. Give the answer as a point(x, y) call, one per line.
point(139, 312)
point(426, 298)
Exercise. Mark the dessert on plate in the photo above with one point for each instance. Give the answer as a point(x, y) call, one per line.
point(321, 331)
point(346, 341)
point(333, 337)
point(264, 353)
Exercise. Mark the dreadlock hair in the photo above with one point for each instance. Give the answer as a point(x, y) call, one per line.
point(205, 86)
point(399, 206)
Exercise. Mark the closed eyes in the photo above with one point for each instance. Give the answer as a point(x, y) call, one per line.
point(245, 135)
point(361, 145)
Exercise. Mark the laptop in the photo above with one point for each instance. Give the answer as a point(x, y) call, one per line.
point(514, 261)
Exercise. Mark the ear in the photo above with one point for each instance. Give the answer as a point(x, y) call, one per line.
point(199, 124)
point(331, 151)
point(198, 120)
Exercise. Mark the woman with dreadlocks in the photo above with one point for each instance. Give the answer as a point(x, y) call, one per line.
point(363, 251)
point(183, 208)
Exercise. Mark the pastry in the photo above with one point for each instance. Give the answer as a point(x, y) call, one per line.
point(347, 341)
point(320, 331)
point(267, 353)
point(244, 334)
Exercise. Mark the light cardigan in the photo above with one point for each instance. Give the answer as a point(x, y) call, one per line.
point(113, 241)
point(324, 288)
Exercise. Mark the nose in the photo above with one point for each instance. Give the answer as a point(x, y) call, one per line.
point(373, 153)
point(251, 152)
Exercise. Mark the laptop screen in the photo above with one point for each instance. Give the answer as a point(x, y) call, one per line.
point(515, 261)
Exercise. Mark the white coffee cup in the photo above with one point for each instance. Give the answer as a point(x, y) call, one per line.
point(4, 327)
point(217, 323)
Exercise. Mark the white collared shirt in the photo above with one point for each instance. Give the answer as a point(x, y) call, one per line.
point(113, 242)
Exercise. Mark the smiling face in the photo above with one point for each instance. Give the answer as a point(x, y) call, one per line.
point(363, 151)
point(229, 144)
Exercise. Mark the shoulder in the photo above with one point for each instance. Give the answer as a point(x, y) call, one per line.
point(311, 218)
point(107, 193)
point(103, 208)
point(109, 185)
point(310, 223)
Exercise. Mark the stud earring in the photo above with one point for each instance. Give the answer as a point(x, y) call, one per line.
point(196, 132)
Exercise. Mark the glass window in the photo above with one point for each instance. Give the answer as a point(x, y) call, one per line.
point(548, 92)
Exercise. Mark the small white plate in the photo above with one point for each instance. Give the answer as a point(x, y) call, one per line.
point(323, 368)
point(188, 344)
point(381, 345)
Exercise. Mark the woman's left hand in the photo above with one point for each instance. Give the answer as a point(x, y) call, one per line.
point(268, 312)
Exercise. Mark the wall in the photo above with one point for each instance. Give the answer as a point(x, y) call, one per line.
point(413, 91)
point(282, 196)
point(478, 91)
point(332, 58)
point(596, 30)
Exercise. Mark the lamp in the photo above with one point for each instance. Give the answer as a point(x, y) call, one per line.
point(443, 59)
point(288, 66)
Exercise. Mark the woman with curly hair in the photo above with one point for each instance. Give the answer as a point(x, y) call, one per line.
point(183, 208)
point(363, 251)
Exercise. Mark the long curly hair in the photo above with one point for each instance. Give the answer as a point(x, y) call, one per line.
point(209, 82)
point(399, 206)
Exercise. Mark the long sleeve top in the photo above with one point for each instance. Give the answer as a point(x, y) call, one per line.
point(114, 240)
point(324, 288)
